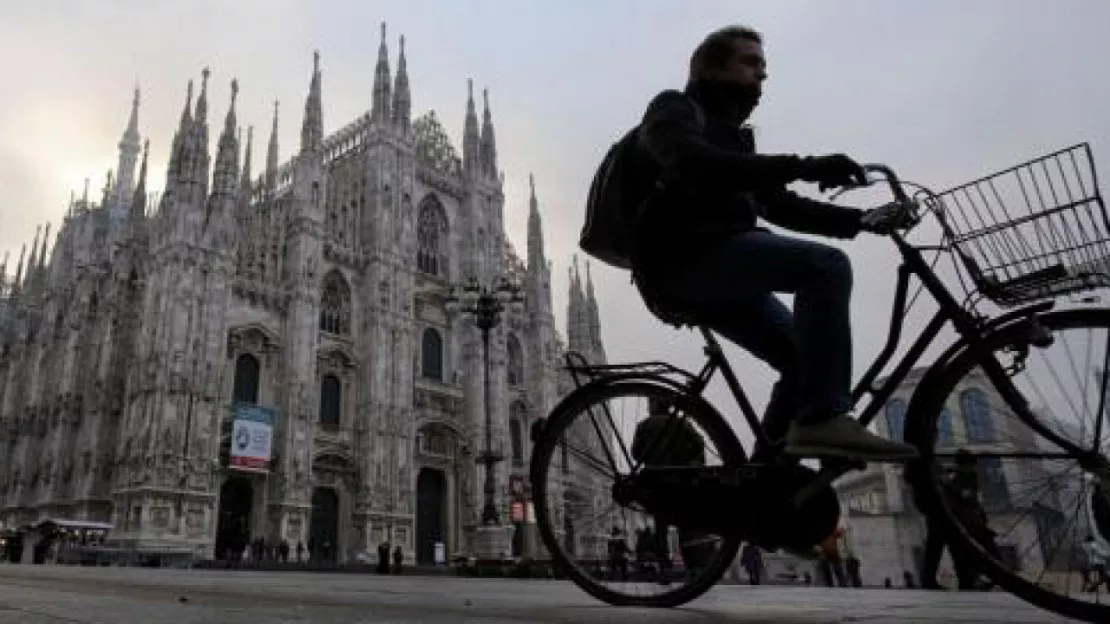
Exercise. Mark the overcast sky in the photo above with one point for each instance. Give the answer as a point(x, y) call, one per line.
point(943, 90)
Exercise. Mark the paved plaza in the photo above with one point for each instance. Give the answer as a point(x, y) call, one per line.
point(53, 595)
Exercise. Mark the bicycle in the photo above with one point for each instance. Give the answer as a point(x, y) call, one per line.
point(691, 515)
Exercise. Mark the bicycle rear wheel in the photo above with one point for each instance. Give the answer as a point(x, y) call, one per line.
point(586, 448)
point(1018, 504)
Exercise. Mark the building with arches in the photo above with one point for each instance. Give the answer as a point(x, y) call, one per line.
point(315, 289)
point(883, 526)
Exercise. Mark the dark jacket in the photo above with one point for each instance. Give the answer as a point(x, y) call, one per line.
point(716, 185)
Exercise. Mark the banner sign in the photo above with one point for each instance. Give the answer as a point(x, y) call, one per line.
point(251, 437)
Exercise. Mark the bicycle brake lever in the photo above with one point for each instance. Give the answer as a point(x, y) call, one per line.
point(844, 189)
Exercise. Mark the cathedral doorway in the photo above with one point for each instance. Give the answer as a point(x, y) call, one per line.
point(323, 530)
point(233, 527)
point(431, 513)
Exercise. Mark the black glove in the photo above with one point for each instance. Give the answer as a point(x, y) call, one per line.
point(889, 218)
point(833, 171)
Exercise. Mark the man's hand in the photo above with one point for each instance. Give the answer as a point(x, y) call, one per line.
point(833, 171)
point(889, 218)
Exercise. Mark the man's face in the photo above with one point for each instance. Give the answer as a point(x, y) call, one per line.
point(747, 66)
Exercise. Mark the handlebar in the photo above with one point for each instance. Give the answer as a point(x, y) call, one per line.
point(891, 179)
point(886, 174)
point(874, 172)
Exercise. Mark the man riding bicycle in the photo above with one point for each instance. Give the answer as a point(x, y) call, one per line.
point(697, 248)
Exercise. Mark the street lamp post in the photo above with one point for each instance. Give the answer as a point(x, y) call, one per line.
point(486, 304)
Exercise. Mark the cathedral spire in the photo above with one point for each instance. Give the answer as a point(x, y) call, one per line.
point(245, 180)
point(578, 337)
point(138, 201)
point(179, 137)
point(128, 154)
point(131, 134)
point(19, 267)
point(106, 192)
point(312, 128)
point(198, 147)
point(186, 115)
point(593, 317)
point(471, 160)
point(488, 143)
point(30, 273)
point(379, 111)
point(202, 100)
point(45, 248)
point(272, 155)
point(402, 99)
point(536, 260)
point(227, 155)
point(34, 250)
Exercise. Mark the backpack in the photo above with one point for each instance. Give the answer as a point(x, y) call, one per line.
point(622, 185)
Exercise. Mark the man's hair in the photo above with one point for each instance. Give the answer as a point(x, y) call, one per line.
point(717, 48)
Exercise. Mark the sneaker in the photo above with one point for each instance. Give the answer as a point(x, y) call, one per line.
point(843, 437)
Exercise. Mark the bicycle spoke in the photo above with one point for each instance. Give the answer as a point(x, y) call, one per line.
point(617, 546)
point(1032, 490)
point(1100, 413)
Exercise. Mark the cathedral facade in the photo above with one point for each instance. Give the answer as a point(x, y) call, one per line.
point(316, 292)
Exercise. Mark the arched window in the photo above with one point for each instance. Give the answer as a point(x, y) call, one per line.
point(431, 237)
point(896, 419)
point(944, 427)
point(977, 415)
point(431, 355)
point(331, 400)
point(992, 483)
point(516, 438)
point(335, 305)
point(246, 379)
point(515, 372)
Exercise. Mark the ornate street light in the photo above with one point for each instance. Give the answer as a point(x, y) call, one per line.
point(485, 304)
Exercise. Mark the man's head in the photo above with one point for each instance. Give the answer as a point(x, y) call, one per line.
point(732, 58)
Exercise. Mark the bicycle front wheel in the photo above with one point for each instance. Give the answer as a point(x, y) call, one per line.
point(610, 546)
point(1013, 503)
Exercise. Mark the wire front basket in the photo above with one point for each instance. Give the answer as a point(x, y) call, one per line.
point(1035, 231)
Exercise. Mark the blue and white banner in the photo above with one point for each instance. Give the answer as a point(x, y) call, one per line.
point(251, 437)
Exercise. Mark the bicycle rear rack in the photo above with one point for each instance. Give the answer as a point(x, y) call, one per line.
point(582, 372)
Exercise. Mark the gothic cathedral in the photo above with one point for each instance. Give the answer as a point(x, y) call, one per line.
point(316, 291)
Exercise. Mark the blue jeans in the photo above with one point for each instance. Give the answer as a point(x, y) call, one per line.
point(730, 287)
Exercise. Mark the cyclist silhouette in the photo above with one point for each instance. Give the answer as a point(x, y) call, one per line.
point(698, 250)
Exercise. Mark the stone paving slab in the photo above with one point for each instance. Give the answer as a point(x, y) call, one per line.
point(53, 595)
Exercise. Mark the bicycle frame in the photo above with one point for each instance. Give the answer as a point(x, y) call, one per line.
point(971, 329)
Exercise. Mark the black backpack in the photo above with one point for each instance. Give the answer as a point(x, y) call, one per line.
point(624, 181)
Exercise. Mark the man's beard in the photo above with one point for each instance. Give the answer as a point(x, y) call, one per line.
point(740, 98)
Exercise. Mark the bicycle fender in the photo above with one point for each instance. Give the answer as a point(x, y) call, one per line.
point(926, 388)
point(539, 427)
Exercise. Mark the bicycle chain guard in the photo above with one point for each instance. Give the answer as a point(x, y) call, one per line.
point(752, 502)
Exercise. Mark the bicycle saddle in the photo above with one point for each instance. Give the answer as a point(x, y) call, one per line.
point(677, 313)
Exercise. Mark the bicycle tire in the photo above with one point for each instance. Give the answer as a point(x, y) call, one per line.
point(705, 415)
point(921, 429)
